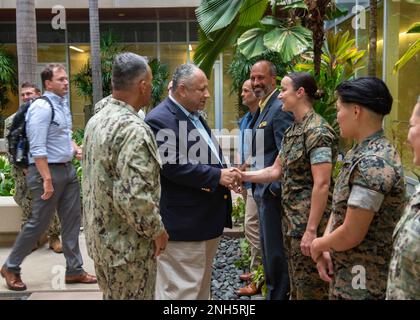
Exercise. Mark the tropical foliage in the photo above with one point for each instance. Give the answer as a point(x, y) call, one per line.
point(83, 79)
point(7, 184)
point(258, 26)
point(245, 258)
point(259, 279)
point(339, 62)
point(110, 47)
point(412, 50)
point(8, 75)
point(78, 138)
point(238, 211)
point(160, 72)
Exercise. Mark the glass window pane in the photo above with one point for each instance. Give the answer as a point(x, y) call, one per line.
point(146, 32)
point(7, 33)
point(173, 55)
point(48, 53)
point(77, 61)
point(78, 32)
point(193, 31)
point(46, 34)
point(173, 31)
point(146, 50)
point(124, 32)
point(405, 85)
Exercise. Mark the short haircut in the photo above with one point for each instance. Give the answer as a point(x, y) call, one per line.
point(369, 92)
point(126, 68)
point(271, 67)
point(30, 85)
point(48, 72)
point(182, 73)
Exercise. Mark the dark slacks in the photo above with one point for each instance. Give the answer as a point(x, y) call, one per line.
point(66, 200)
point(272, 249)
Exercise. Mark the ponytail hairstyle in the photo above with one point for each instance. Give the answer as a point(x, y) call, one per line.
point(306, 81)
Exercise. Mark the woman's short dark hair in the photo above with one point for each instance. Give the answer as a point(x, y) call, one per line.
point(306, 81)
point(369, 92)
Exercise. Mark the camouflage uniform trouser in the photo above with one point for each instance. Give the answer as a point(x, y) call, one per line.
point(305, 283)
point(23, 198)
point(132, 281)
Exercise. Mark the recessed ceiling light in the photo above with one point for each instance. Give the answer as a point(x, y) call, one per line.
point(121, 14)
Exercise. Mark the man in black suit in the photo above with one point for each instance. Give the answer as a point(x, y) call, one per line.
point(195, 203)
point(268, 132)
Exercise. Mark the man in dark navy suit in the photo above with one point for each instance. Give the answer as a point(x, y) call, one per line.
point(196, 203)
point(268, 132)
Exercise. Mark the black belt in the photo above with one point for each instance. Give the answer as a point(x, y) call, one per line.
point(55, 164)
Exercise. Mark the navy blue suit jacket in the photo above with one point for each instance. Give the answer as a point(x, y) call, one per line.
point(271, 123)
point(193, 206)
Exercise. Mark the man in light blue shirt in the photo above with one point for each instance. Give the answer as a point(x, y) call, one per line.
point(52, 180)
point(251, 224)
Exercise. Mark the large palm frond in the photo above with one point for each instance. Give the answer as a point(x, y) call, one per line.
point(221, 23)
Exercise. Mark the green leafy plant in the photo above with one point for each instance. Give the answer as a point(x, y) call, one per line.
point(7, 184)
point(8, 80)
point(397, 134)
point(78, 138)
point(160, 74)
point(259, 279)
point(340, 61)
point(245, 260)
point(8, 75)
point(257, 26)
point(110, 47)
point(411, 51)
point(238, 211)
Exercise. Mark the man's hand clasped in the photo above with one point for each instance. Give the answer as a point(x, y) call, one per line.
point(232, 179)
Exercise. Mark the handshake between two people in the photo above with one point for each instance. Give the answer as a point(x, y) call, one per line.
point(233, 178)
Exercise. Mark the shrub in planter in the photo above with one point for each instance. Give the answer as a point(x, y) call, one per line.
point(7, 184)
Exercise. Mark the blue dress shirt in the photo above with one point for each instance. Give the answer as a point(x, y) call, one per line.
point(46, 139)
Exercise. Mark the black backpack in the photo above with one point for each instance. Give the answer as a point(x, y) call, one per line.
point(17, 139)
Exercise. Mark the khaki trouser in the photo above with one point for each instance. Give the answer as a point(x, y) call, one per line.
point(252, 228)
point(184, 270)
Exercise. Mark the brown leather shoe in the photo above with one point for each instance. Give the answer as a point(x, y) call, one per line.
point(42, 241)
point(249, 290)
point(13, 280)
point(55, 245)
point(81, 278)
point(246, 276)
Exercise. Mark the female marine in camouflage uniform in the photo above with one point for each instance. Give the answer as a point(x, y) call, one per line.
point(404, 270)
point(304, 166)
point(368, 197)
